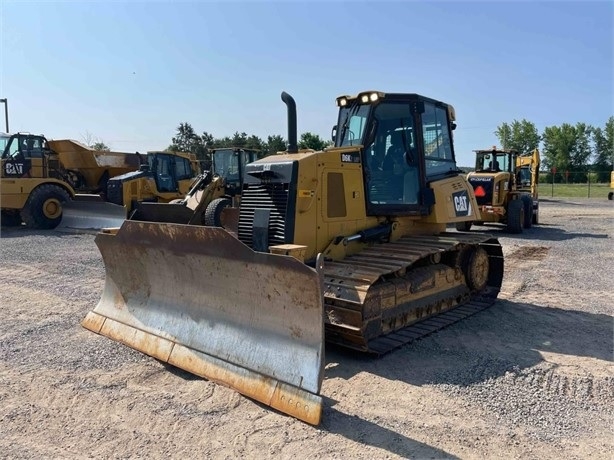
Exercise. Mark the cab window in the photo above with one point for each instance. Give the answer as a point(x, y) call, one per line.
point(438, 152)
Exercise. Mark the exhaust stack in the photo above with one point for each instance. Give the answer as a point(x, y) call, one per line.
point(292, 134)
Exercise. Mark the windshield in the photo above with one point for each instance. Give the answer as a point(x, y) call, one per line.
point(492, 162)
point(3, 141)
point(226, 164)
point(352, 122)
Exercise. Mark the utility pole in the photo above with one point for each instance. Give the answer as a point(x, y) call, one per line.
point(6, 113)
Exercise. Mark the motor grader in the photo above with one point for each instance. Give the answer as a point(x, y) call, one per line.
point(40, 176)
point(347, 245)
point(505, 186)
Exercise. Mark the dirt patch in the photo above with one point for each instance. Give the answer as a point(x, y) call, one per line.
point(530, 377)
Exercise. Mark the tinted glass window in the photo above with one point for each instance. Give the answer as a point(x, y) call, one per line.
point(182, 169)
point(437, 143)
point(352, 124)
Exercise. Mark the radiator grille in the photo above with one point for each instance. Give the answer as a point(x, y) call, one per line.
point(264, 196)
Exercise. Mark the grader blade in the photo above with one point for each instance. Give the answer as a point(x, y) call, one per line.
point(199, 299)
point(90, 215)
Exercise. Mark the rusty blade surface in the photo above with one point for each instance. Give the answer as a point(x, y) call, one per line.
point(198, 298)
point(90, 215)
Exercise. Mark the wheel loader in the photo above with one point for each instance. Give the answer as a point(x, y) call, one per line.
point(214, 198)
point(347, 245)
point(505, 186)
point(40, 176)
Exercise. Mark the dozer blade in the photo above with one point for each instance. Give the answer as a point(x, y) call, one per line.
point(80, 214)
point(199, 299)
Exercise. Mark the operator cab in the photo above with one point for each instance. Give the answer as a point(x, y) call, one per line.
point(229, 163)
point(168, 170)
point(407, 143)
point(489, 161)
point(22, 145)
point(18, 151)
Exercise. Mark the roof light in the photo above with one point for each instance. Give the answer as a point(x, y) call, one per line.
point(364, 98)
point(374, 97)
point(342, 101)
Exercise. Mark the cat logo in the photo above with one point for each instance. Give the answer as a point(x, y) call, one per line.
point(13, 169)
point(462, 205)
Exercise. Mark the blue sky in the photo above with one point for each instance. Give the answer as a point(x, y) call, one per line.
point(129, 72)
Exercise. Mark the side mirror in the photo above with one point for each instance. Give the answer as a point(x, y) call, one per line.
point(333, 134)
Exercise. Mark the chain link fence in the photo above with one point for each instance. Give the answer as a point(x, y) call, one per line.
point(574, 184)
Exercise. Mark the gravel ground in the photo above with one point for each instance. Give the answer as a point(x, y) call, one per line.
point(531, 377)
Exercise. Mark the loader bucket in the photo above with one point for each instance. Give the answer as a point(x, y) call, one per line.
point(199, 299)
point(176, 213)
point(90, 215)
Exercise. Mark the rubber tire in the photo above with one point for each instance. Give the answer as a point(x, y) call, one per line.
point(610, 195)
point(213, 213)
point(10, 219)
point(536, 217)
point(33, 214)
point(464, 226)
point(515, 216)
point(528, 211)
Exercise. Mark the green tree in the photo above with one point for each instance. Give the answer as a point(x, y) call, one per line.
point(520, 135)
point(100, 146)
point(567, 148)
point(312, 141)
point(275, 143)
point(186, 140)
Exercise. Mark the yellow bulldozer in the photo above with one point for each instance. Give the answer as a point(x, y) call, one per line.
point(505, 185)
point(163, 177)
point(348, 245)
point(39, 176)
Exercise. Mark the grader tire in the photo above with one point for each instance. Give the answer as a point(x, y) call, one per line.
point(515, 216)
point(43, 210)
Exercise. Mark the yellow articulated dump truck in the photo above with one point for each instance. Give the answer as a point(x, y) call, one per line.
point(347, 245)
point(39, 176)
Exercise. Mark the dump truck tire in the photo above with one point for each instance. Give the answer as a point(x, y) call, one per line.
point(463, 226)
point(43, 210)
point(213, 213)
point(10, 219)
point(515, 216)
point(610, 195)
point(528, 211)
